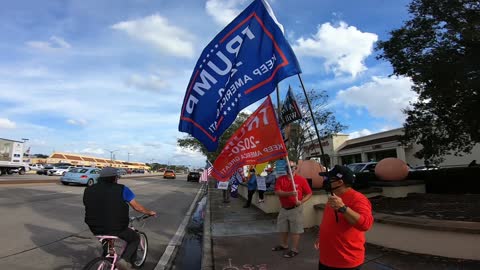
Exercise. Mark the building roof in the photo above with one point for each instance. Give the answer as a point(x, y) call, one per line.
point(370, 142)
point(77, 157)
point(10, 140)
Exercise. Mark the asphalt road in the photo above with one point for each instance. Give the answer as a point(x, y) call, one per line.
point(35, 178)
point(42, 225)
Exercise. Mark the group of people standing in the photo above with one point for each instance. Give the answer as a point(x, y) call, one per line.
point(259, 184)
point(346, 218)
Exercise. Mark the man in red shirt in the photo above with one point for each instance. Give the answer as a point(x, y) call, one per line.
point(342, 244)
point(290, 217)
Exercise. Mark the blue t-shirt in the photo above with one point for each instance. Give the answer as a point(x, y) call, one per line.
point(128, 194)
point(252, 183)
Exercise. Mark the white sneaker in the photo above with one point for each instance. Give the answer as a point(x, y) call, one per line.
point(261, 201)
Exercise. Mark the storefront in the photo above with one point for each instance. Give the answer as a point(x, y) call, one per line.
point(375, 147)
point(89, 161)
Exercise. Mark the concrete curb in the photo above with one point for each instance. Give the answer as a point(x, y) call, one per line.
point(166, 261)
point(207, 256)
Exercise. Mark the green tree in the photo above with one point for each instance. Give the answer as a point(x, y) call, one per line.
point(191, 143)
point(439, 49)
point(303, 130)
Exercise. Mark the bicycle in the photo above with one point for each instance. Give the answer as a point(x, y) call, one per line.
point(110, 254)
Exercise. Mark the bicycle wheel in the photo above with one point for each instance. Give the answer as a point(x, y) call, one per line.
point(141, 250)
point(100, 263)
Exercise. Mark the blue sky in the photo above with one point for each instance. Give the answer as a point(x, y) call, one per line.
point(88, 75)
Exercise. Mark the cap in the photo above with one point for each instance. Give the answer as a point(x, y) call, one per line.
point(108, 172)
point(340, 172)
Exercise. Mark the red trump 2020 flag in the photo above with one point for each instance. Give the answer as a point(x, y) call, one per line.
point(258, 140)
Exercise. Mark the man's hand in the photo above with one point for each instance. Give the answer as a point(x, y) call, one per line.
point(293, 193)
point(317, 244)
point(335, 202)
point(298, 203)
point(152, 213)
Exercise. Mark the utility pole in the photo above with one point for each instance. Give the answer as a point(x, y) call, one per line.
point(25, 150)
point(111, 153)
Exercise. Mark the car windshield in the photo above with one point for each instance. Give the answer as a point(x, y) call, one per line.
point(168, 171)
point(194, 173)
point(356, 167)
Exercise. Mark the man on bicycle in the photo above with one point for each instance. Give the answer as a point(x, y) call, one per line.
point(107, 212)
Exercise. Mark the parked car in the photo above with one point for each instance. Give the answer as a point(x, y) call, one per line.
point(122, 171)
point(36, 167)
point(169, 174)
point(426, 168)
point(193, 176)
point(45, 169)
point(362, 167)
point(62, 170)
point(85, 176)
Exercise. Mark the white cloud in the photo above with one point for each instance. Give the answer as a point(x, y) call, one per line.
point(79, 122)
point(224, 11)
point(7, 124)
point(152, 82)
point(53, 44)
point(360, 133)
point(343, 47)
point(383, 97)
point(157, 31)
point(93, 151)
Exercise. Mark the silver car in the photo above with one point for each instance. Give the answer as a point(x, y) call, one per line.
point(83, 176)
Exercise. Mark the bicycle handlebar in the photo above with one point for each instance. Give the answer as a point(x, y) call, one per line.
point(142, 217)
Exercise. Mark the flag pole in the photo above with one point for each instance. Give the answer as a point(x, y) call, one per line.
point(291, 177)
point(278, 102)
point(322, 158)
point(288, 160)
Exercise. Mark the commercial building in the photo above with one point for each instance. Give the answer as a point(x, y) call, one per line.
point(90, 161)
point(339, 149)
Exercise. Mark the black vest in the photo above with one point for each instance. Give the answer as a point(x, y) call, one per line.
point(106, 213)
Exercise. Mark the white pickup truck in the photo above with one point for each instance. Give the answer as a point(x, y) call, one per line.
point(11, 157)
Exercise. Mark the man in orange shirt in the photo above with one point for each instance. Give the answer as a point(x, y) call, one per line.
point(290, 217)
point(342, 244)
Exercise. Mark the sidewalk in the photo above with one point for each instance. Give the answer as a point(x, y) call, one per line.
point(242, 239)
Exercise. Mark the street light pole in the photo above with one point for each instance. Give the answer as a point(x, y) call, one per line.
point(111, 153)
point(24, 149)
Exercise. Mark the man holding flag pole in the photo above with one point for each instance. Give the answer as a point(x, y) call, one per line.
point(293, 191)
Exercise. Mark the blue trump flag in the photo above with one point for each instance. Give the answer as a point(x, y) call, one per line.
point(241, 65)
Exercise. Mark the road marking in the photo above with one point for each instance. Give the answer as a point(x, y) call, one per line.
point(53, 193)
point(177, 239)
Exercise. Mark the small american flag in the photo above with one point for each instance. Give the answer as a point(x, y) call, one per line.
point(206, 174)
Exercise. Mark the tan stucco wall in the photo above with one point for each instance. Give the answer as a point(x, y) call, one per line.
point(450, 160)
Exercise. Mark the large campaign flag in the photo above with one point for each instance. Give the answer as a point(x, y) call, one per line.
point(290, 111)
point(240, 66)
point(258, 140)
